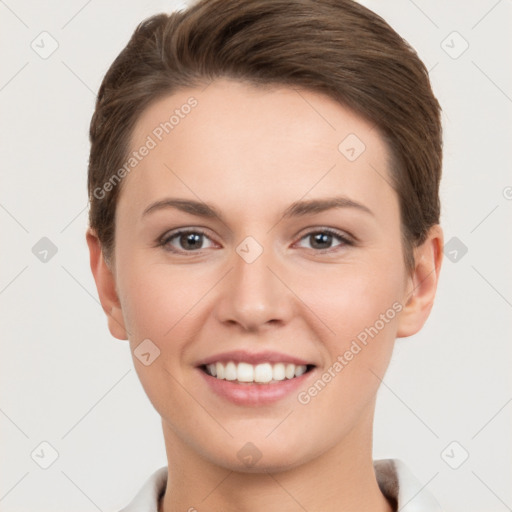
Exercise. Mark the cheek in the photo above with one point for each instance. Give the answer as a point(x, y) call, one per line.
point(156, 299)
point(158, 305)
point(361, 310)
point(350, 298)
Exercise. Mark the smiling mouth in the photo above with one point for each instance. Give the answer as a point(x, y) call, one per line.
point(263, 373)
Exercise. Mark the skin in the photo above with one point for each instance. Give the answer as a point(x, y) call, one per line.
point(252, 152)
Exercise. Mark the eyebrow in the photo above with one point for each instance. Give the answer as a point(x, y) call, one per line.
point(296, 209)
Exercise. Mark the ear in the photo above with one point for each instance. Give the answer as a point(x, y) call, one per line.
point(422, 284)
point(106, 286)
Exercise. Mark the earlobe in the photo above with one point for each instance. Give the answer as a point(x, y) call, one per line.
point(422, 284)
point(106, 286)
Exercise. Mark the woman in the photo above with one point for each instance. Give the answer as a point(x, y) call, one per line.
point(264, 224)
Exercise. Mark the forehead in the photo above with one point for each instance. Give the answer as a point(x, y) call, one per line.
point(238, 144)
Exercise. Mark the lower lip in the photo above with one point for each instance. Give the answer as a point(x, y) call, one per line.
point(254, 394)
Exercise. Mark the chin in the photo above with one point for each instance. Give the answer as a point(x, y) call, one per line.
point(263, 456)
point(273, 464)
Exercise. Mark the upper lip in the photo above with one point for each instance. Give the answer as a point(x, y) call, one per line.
point(239, 356)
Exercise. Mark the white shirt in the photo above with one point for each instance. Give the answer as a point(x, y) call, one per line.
point(394, 478)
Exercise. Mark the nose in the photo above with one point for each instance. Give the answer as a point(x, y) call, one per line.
point(254, 294)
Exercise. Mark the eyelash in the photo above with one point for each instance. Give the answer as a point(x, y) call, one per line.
point(165, 239)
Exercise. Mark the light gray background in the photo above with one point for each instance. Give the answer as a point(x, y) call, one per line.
point(66, 381)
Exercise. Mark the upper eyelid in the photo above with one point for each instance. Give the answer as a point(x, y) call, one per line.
point(344, 237)
point(173, 232)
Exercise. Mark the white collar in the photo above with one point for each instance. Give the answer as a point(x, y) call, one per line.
point(393, 476)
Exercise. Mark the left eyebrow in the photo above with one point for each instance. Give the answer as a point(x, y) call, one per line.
point(314, 206)
point(296, 209)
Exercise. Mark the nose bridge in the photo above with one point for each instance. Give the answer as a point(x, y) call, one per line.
point(254, 295)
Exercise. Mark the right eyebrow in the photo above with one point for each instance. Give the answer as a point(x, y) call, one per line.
point(197, 208)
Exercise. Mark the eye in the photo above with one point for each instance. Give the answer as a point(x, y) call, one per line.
point(192, 240)
point(188, 240)
point(321, 240)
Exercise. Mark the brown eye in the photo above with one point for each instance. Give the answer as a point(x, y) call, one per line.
point(184, 241)
point(324, 238)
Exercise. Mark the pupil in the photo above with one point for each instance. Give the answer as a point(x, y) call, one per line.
point(320, 238)
point(190, 239)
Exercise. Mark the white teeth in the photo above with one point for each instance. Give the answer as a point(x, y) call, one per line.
point(299, 370)
point(219, 367)
point(230, 371)
point(262, 373)
point(289, 371)
point(212, 368)
point(245, 372)
point(278, 372)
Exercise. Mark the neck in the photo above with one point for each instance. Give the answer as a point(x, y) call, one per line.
point(339, 480)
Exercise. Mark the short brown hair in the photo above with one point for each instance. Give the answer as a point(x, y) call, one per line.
point(335, 47)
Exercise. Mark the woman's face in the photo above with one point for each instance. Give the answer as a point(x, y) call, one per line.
point(290, 258)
